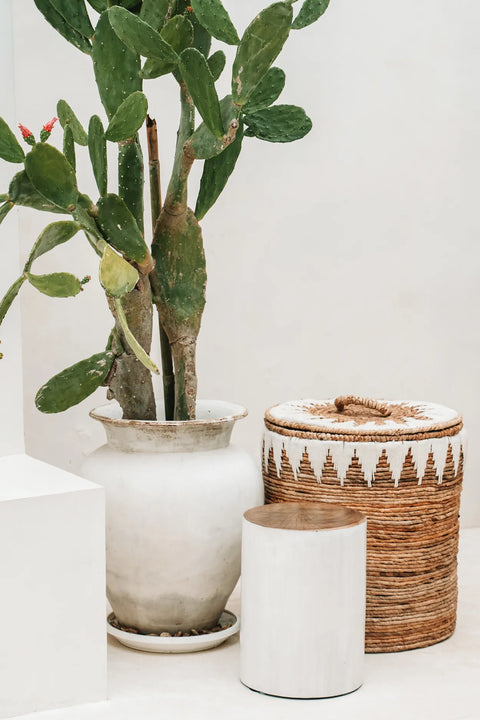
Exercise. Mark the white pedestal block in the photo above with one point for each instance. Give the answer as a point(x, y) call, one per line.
point(52, 599)
point(303, 599)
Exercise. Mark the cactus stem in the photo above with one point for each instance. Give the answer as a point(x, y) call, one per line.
point(176, 199)
point(154, 165)
point(183, 351)
point(156, 206)
point(176, 217)
point(128, 372)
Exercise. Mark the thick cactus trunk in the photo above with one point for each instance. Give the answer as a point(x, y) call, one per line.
point(129, 382)
point(179, 277)
point(183, 352)
point(180, 297)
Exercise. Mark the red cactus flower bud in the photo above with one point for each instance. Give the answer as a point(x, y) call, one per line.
point(25, 131)
point(27, 135)
point(189, 8)
point(48, 127)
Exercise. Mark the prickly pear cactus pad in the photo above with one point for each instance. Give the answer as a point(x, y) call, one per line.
point(159, 269)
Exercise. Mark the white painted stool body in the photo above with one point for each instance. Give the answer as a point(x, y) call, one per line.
point(303, 606)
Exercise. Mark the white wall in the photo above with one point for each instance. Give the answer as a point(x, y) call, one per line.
point(344, 263)
point(11, 423)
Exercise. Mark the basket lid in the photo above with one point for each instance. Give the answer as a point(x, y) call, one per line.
point(363, 417)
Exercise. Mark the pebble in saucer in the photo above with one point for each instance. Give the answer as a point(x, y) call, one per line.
point(192, 643)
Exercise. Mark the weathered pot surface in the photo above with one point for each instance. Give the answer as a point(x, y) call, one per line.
point(211, 430)
point(175, 496)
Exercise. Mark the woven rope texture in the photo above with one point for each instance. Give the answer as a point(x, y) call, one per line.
point(412, 537)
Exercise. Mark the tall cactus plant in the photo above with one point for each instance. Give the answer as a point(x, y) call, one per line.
point(132, 42)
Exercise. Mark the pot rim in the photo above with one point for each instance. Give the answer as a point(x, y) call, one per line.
point(106, 414)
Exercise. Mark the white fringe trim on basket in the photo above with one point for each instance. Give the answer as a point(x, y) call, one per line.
point(368, 454)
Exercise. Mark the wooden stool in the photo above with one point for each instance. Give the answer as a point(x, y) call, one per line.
point(303, 599)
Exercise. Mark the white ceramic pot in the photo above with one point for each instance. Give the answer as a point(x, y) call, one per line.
point(175, 496)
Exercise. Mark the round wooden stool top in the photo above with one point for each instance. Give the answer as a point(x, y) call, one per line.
point(304, 516)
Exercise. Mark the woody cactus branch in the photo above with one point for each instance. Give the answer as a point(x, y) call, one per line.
point(156, 205)
point(180, 273)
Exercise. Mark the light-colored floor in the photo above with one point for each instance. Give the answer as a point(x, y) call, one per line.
point(441, 682)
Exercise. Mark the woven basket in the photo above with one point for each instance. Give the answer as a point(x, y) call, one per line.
point(401, 464)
